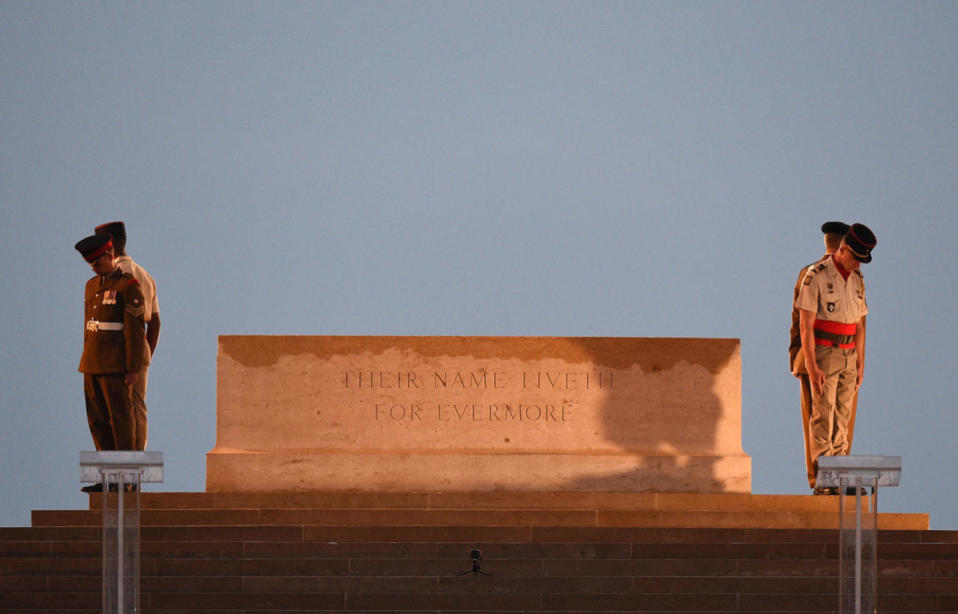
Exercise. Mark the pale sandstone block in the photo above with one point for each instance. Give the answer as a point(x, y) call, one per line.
point(478, 413)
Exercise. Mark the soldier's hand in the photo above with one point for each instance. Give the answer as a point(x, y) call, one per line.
point(130, 379)
point(817, 379)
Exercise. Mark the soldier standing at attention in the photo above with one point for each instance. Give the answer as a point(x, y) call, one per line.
point(114, 348)
point(833, 234)
point(831, 304)
point(151, 315)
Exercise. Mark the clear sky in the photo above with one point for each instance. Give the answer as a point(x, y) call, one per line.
point(638, 169)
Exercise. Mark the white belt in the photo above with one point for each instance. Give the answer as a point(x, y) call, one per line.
point(94, 325)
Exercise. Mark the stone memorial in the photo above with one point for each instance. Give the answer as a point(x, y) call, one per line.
point(389, 413)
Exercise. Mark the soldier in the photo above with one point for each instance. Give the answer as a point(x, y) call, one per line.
point(151, 315)
point(831, 304)
point(114, 348)
point(833, 233)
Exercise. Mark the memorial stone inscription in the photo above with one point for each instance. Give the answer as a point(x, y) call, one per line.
point(478, 413)
point(429, 394)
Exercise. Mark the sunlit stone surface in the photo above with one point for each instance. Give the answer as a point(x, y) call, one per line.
point(478, 413)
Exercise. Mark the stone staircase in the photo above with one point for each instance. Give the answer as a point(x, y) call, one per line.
point(255, 553)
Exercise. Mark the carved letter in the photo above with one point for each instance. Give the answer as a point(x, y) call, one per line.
point(479, 382)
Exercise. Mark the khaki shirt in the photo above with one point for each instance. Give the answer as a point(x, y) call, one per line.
point(147, 285)
point(829, 296)
point(114, 298)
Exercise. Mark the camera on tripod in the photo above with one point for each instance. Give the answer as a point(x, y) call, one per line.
point(476, 555)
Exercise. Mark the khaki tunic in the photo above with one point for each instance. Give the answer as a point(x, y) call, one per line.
point(114, 298)
point(109, 354)
point(829, 296)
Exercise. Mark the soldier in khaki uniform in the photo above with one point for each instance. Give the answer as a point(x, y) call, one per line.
point(114, 348)
point(831, 304)
point(833, 233)
point(151, 315)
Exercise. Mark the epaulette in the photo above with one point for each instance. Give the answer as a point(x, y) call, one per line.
point(812, 271)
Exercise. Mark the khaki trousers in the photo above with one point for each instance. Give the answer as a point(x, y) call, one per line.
point(139, 408)
point(109, 411)
point(806, 389)
point(831, 413)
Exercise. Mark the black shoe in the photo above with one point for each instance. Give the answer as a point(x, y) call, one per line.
point(93, 488)
point(852, 491)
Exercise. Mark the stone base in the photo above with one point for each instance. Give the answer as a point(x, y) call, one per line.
point(243, 471)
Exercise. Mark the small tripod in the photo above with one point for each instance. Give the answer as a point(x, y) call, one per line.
point(476, 556)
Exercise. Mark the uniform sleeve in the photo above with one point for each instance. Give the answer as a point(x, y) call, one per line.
point(86, 333)
point(148, 286)
point(794, 335)
point(808, 293)
point(864, 300)
point(155, 307)
point(133, 326)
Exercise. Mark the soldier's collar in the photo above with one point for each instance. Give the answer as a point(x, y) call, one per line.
point(841, 270)
point(112, 274)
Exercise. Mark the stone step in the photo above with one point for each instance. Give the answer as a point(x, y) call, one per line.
point(494, 500)
point(511, 561)
point(489, 509)
point(411, 593)
point(462, 594)
point(488, 517)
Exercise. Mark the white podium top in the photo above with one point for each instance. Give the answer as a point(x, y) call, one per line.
point(149, 465)
point(831, 469)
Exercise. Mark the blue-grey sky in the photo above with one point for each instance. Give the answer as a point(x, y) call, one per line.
point(479, 168)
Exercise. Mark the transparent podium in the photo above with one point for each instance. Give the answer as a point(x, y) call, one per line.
point(121, 474)
point(858, 529)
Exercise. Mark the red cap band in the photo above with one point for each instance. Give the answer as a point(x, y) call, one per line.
point(92, 256)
